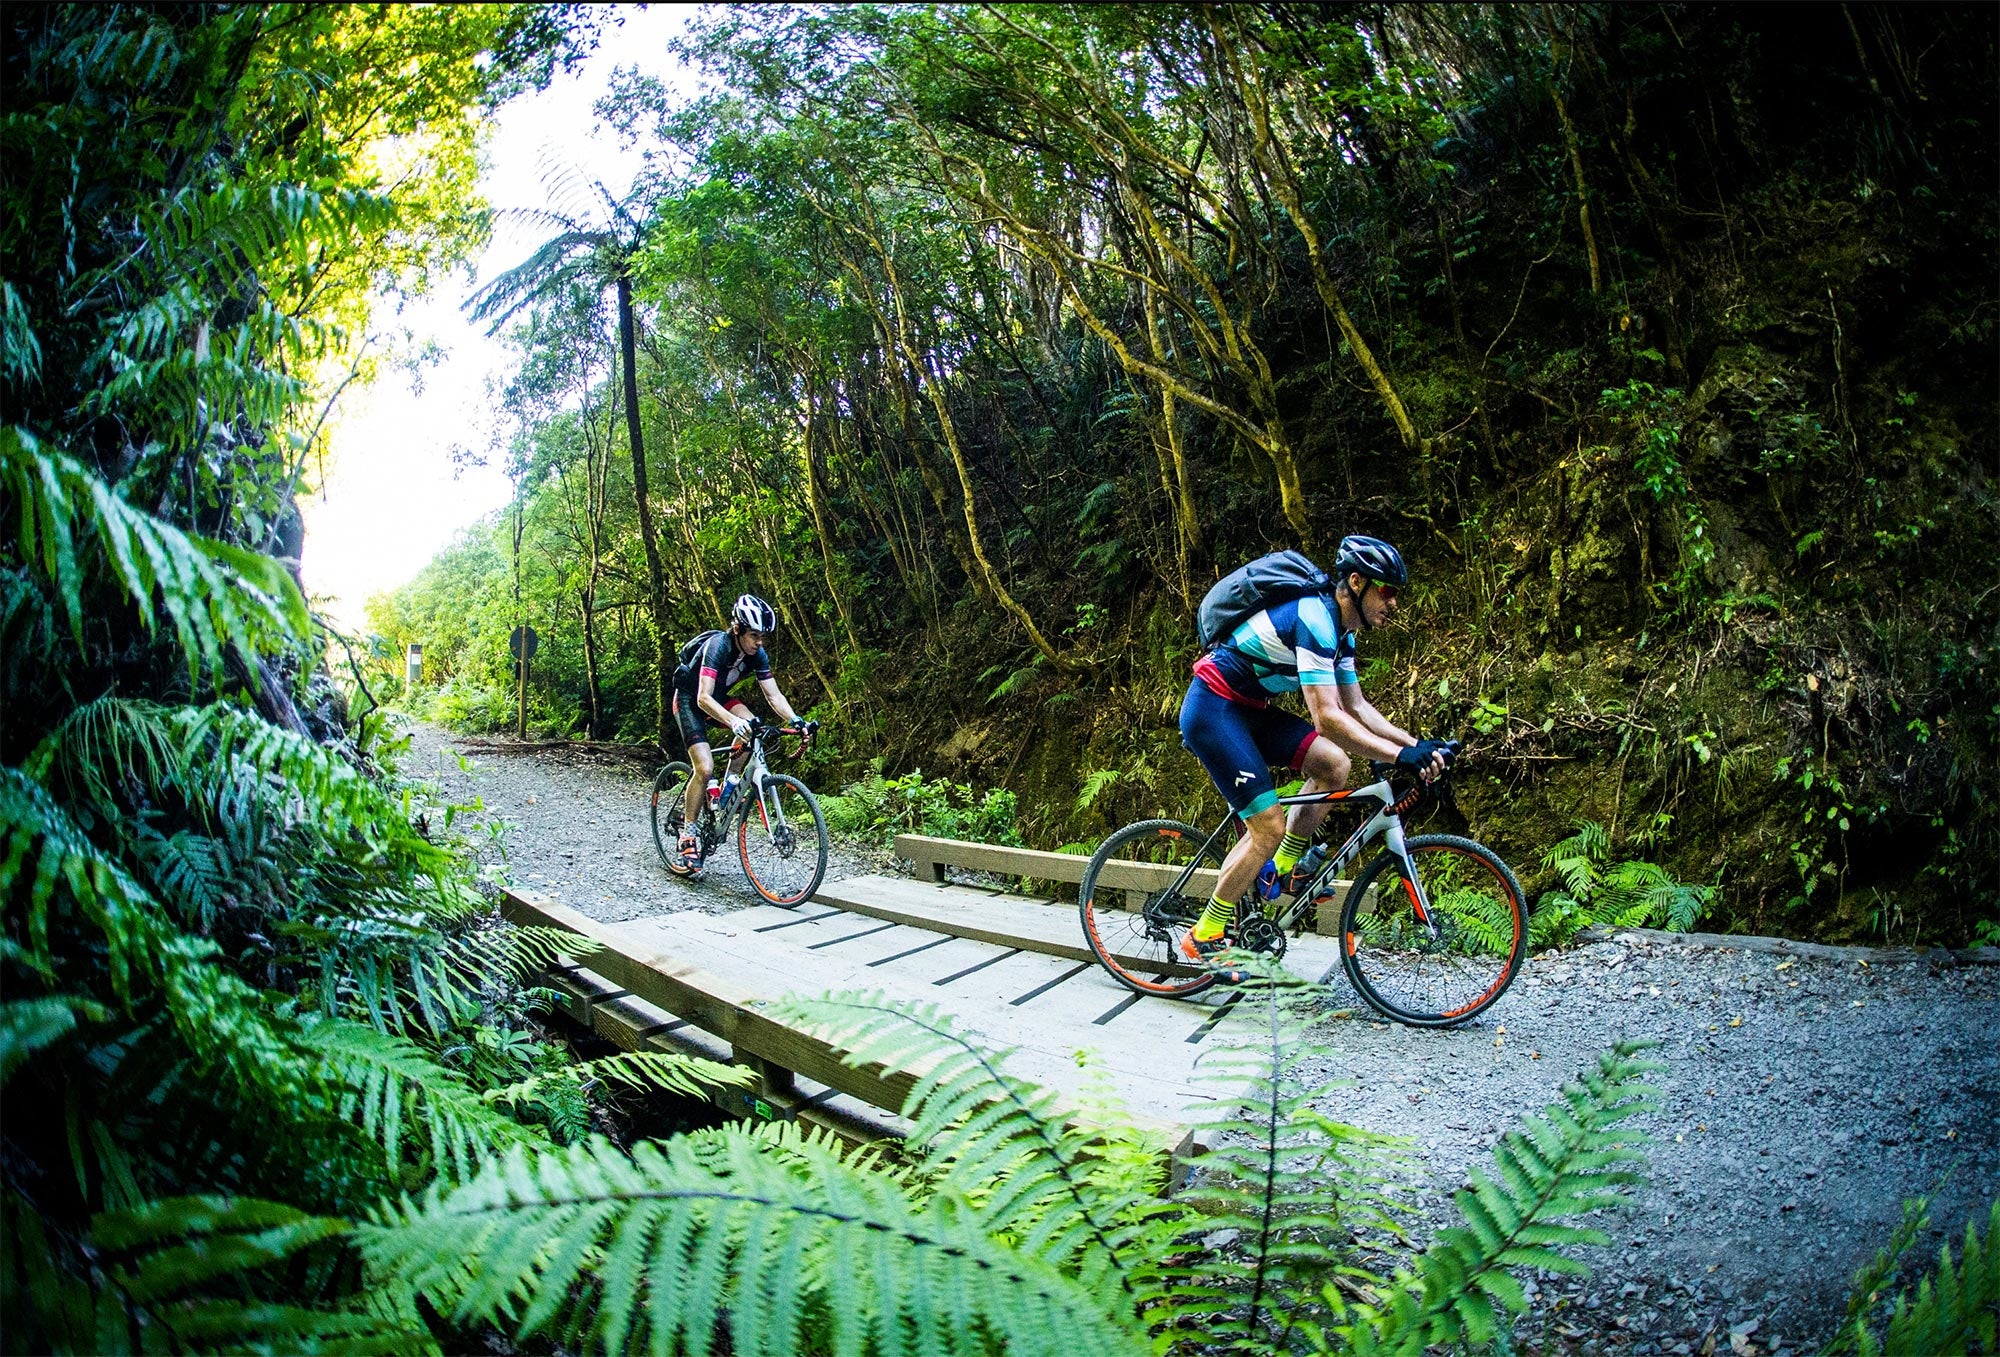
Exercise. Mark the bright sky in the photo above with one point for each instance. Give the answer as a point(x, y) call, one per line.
point(390, 500)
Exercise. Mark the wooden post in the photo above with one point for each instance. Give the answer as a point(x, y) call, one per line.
point(521, 717)
point(413, 665)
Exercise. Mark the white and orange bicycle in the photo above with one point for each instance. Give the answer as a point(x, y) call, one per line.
point(779, 829)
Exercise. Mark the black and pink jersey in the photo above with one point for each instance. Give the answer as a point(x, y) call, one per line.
point(724, 661)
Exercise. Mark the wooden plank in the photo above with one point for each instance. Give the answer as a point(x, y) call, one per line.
point(739, 968)
point(1033, 925)
point(932, 855)
point(1044, 926)
point(1044, 1053)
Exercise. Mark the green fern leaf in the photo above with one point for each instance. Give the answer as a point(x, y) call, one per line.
point(877, 1270)
point(215, 596)
point(28, 1025)
point(1574, 1157)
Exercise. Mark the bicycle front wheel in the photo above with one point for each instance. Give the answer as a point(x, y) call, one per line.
point(1451, 970)
point(1143, 886)
point(669, 810)
point(782, 841)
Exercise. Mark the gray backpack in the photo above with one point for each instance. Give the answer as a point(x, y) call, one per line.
point(1248, 590)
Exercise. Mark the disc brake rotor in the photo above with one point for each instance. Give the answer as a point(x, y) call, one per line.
point(1166, 913)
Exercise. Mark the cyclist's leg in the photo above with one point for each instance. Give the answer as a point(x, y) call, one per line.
point(737, 709)
point(694, 734)
point(1227, 737)
point(1326, 766)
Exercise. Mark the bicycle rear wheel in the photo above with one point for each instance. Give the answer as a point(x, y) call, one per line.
point(669, 810)
point(782, 841)
point(1434, 979)
point(1138, 894)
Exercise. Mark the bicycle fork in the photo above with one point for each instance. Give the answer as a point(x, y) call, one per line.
point(1387, 825)
point(1413, 885)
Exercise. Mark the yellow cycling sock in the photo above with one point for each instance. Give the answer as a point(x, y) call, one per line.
point(1214, 920)
point(1289, 852)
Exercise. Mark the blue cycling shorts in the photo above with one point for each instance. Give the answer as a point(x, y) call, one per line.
point(1239, 745)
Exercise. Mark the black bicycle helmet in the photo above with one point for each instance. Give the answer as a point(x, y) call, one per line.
point(754, 614)
point(1373, 559)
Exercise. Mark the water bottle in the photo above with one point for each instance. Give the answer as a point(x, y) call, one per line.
point(714, 794)
point(729, 786)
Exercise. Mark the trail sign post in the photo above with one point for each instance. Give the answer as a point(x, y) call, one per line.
point(521, 645)
point(413, 672)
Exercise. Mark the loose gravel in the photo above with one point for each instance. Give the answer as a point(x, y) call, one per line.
point(1802, 1099)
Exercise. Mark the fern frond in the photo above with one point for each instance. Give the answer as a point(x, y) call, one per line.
point(221, 1019)
point(215, 596)
point(1291, 1183)
point(1875, 1276)
point(995, 1141)
point(1956, 1307)
point(171, 1259)
point(668, 1071)
point(803, 1255)
point(394, 1084)
point(28, 1025)
point(563, 256)
point(1573, 1157)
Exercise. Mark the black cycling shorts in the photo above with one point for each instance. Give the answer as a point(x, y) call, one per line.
point(695, 723)
point(1238, 745)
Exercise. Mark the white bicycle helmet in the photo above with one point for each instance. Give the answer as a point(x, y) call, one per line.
point(754, 614)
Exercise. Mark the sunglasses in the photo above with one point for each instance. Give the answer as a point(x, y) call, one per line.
point(1387, 591)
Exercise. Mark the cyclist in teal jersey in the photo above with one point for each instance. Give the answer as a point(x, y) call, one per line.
point(1304, 645)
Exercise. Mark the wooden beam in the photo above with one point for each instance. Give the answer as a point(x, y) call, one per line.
point(932, 855)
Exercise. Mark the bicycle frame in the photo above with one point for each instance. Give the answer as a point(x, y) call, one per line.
point(755, 770)
point(1385, 824)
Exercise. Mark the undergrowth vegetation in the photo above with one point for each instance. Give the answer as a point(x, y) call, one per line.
point(1601, 894)
point(878, 808)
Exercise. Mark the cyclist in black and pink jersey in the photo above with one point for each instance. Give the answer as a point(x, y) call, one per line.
point(709, 669)
point(1304, 645)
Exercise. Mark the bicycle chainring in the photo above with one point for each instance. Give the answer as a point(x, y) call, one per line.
point(1258, 934)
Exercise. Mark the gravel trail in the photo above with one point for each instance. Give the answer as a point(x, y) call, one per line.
point(1802, 1098)
point(575, 825)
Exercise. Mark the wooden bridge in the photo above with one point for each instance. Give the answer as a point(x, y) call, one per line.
point(1012, 969)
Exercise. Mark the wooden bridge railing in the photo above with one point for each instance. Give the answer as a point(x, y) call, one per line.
point(931, 856)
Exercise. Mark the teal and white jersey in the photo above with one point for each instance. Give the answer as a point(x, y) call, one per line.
point(1291, 645)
